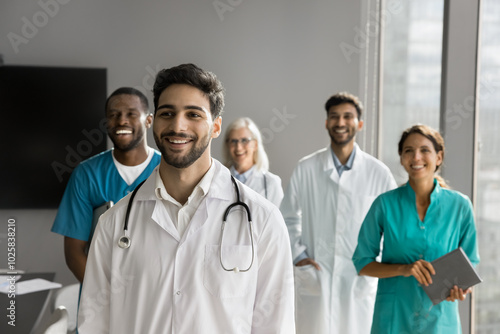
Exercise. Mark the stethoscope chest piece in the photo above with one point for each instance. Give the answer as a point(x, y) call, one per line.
point(124, 242)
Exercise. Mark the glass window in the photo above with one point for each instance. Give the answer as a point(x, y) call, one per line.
point(487, 297)
point(411, 75)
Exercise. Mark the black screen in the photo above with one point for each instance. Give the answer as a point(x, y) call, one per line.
point(53, 118)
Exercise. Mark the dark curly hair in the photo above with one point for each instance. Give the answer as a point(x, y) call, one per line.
point(192, 75)
point(344, 97)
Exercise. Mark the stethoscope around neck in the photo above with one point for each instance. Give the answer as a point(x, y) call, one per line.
point(249, 218)
point(124, 241)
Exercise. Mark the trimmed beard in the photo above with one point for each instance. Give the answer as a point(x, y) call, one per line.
point(344, 142)
point(134, 143)
point(187, 160)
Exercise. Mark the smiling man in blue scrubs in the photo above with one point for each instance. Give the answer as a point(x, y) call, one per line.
point(108, 176)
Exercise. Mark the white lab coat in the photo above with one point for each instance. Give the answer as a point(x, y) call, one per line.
point(167, 284)
point(323, 214)
point(272, 183)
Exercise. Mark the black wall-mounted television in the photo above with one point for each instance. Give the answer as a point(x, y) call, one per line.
point(53, 118)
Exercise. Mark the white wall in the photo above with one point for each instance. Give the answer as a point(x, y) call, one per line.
point(275, 57)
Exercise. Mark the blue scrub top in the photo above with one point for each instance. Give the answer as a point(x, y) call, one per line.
point(401, 305)
point(93, 183)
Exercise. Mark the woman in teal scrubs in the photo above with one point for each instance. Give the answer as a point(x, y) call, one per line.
point(419, 222)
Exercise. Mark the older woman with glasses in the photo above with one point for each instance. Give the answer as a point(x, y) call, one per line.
point(247, 160)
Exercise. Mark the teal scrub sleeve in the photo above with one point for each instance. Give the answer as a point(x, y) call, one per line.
point(74, 216)
point(371, 232)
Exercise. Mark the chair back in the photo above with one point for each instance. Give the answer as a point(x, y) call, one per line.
point(68, 296)
point(58, 322)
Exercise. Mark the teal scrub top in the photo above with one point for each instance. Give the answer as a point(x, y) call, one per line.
point(93, 182)
point(401, 304)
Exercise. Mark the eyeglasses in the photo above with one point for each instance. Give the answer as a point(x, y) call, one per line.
point(243, 141)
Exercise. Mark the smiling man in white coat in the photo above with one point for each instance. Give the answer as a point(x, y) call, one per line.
point(328, 196)
point(175, 272)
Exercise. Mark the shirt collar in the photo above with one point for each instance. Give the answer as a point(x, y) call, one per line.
point(348, 165)
point(243, 177)
point(203, 186)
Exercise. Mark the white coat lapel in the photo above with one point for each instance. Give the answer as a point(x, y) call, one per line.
point(359, 159)
point(328, 166)
point(210, 208)
point(161, 217)
point(160, 214)
point(199, 219)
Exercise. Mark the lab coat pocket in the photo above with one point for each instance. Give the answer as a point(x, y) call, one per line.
point(307, 280)
point(228, 284)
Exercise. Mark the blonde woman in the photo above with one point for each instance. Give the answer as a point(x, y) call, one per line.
point(247, 160)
